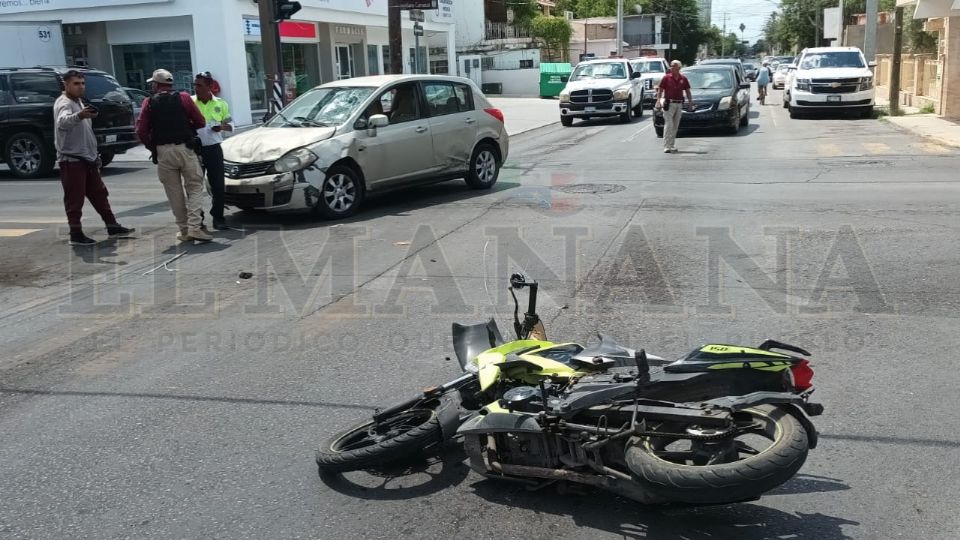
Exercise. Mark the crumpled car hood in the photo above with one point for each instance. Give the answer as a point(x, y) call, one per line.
point(270, 144)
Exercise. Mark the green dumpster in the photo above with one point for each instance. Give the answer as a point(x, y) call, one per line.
point(553, 77)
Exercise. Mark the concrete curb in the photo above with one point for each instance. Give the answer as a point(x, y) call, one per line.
point(925, 133)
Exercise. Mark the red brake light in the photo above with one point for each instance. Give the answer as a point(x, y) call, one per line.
point(496, 113)
point(802, 376)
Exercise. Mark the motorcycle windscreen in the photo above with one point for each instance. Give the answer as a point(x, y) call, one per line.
point(469, 341)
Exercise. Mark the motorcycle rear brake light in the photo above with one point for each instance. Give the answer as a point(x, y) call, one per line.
point(802, 376)
point(496, 113)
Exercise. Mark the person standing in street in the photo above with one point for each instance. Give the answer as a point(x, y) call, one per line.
point(216, 113)
point(168, 126)
point(670, 95)
point(79, 160)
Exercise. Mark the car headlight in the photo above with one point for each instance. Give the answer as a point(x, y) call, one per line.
point(621, 93)
point(295, 160)
point(565, 95)
point(803, 85)
point(866, 83)
point(725, 103)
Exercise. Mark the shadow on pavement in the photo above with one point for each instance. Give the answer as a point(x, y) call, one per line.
point(606, 512)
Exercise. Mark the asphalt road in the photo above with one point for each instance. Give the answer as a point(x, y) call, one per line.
point(187, 402)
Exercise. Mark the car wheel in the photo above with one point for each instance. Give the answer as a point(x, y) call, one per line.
point(106, 157)
point(340, 194)
point(793, 112)
point(867, 113)
point(745, 120)
point(626, 117)
point(638, 110)
point(786, 102)
point(27, 156)
point(566, 121)
point(484, 167)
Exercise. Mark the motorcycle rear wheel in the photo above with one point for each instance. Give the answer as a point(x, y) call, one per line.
point(375, 443)
point(736, 472)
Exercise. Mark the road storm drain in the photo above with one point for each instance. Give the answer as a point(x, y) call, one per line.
point(590, 189)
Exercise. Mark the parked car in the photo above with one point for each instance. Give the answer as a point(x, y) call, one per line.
point(26, 117)
point(752, 71)
point(733, 62)
point(137, 96)
point(651, 71)
point(597, 88)
point(337, 143)
point(781, 75)
point(832, 78)
point(721, 100)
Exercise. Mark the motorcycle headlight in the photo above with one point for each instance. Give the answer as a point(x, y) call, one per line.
point(295, 160)
point(565, 95)
point(803, 85)
point(725, 103)
point(621, 93)
point(866, 83)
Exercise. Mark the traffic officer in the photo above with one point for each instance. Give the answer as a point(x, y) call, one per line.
point(216, 113)
point(168, 124)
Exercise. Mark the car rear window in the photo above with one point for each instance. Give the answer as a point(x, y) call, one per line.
point(102, 86)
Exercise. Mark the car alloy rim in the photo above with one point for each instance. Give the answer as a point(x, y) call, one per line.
point(486, 166)
point(339, 192)
point(25, 155)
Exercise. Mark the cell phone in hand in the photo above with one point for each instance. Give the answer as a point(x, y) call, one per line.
point(217, 128)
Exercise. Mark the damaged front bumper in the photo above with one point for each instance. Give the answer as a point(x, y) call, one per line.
point(298, 190)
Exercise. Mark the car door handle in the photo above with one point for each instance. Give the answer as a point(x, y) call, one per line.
point(470, 120)
point(421, 129)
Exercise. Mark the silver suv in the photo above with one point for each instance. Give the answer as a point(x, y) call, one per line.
point(335, 144)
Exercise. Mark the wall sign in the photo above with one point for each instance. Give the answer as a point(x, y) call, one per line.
point(29, 6)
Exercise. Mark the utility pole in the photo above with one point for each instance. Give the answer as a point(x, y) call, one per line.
point(619, 27)
point(272, 61)
point(723, 39)
point(843, 24)
point(395, 38)
point(895, 68)
point(870, 35)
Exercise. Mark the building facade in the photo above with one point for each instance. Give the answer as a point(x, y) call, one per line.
point(328, 40)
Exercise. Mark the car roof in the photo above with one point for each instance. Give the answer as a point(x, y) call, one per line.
point(603, 60)
point(60, 70)
point(377, 81)
point(711, 67)
point(831, 49)
point(721, 61)
point(648, 59)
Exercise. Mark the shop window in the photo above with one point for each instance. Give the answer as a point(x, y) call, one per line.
point(439, 67)
point(526, 64)
point(133, 64)
point(421, 61)
point(301, 67)
point(373, 60)
point(387, 66)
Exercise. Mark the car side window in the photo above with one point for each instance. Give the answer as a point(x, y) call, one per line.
point(464, 96)
point(440, 98)
point(400, 104)
point(35, 87)
point(5, 97)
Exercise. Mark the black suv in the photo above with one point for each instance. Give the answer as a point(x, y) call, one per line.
point(26, 117)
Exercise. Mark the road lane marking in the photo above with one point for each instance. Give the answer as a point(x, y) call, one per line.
point(13, 233)
point(829, 150)
point(638, 132)
point(877, 148)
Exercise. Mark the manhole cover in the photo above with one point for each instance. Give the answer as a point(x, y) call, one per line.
point(592, 189)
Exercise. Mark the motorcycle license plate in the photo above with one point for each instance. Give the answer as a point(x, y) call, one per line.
point(110, 138)
point(589, 109)
point(833, 99)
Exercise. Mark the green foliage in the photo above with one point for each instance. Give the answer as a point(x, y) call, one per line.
point(720, 45)
point(555, 32)
point(916, 39)
point(524, 11)
point(928, 109)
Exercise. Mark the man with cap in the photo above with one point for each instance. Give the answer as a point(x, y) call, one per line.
point(216, 112)
point(168, 126)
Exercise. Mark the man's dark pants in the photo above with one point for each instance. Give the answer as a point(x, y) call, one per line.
point(213, 163)
point(81, 180)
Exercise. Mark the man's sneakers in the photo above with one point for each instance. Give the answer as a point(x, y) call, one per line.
point(80, 239)
point(200, 235)
point(670, 150)
point(118, 230)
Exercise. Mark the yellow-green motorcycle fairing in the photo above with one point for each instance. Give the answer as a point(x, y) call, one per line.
point(532, 369)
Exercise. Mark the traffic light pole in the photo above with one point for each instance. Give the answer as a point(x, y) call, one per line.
point(272, 61)
point(395, 39)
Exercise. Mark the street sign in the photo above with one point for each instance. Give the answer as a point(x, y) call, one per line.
point(416, 15)
point(414, 4)
point(417, 29)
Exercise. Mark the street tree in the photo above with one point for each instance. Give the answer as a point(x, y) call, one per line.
point(555, 34)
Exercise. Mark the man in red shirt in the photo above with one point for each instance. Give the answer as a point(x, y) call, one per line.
point(168, 126)
point(670, 94)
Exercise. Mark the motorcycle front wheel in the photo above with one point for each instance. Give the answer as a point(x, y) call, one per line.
point(726, 470)
point(375, 443)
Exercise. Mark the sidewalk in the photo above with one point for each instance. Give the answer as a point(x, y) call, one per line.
point(930, 126)
point(520, 115)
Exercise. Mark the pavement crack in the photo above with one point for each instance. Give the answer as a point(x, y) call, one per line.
point(816, 177)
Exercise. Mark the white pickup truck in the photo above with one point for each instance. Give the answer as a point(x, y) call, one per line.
point(652, 71)
point(607, 87)
point(832, 78)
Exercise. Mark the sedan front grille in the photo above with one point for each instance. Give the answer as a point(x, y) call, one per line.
point(245, 200)
point(246, 170)
point(591, 96)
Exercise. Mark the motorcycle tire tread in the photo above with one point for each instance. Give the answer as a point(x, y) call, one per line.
point(730, 482)
point(404, 445)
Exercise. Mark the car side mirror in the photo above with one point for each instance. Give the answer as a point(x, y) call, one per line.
point(745, 86)
point(376, 121)
point(872, 64)
point(636, 75)
point(565, 79)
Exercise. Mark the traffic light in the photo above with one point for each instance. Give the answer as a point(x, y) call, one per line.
point(284, 9)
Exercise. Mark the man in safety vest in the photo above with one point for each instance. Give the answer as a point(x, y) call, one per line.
point(216, 113)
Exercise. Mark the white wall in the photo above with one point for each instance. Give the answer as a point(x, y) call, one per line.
point(157, 31)
point(469, 16)
point(516, 82)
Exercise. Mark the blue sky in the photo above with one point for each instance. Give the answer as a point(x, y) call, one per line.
point(752, 13)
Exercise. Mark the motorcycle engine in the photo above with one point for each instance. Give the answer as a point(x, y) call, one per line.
point(525, 449)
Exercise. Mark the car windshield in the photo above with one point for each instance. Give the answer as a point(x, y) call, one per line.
point(322, 107)
point(838, 59)
point(648, 67)
point(104, 87)
point(606, 70)
point(709, 80)
point(749, 67)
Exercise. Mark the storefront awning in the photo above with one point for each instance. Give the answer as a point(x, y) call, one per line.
point(931, 9)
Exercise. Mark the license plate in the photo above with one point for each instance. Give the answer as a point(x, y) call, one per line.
point(110, 138)
point(589, 109)
point(833, 99)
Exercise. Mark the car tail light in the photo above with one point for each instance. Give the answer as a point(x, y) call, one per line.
point(496, 113)
point(802, 375)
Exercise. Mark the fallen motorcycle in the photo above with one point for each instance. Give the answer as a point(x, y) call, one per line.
point(723, 424)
